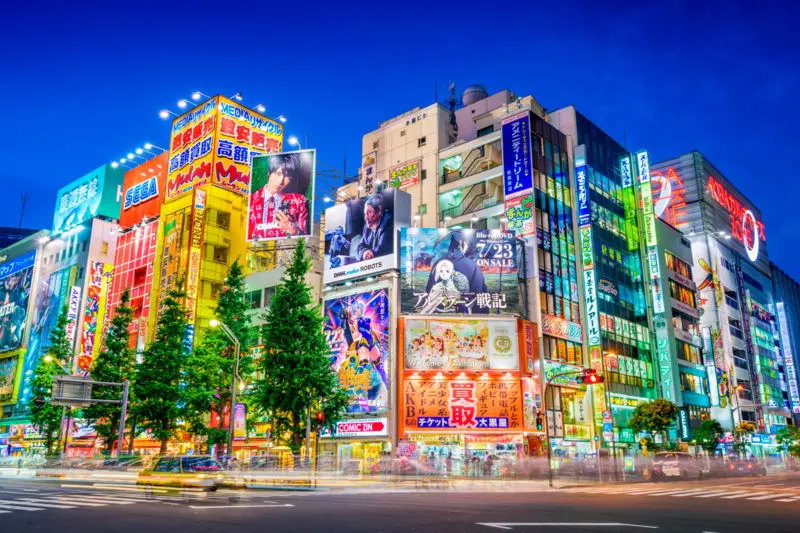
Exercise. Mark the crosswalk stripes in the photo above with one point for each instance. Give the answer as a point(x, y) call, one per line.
point(728, 492)
point(43, 504)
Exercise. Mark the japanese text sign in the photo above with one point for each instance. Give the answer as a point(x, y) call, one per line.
point(517, 155)
point(405, 175)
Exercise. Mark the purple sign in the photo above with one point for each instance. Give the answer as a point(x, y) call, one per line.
point(517, 156)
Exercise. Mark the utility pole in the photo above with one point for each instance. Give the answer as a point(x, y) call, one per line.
point(25, 197)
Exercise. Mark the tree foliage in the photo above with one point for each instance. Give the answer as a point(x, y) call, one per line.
point(708, 434)
point(789, 436)
point(45, 415)
point(114, 364)
point(296, 368)
point(741, 436)
point(159, 376)
point(209, 369)
point(655, 416)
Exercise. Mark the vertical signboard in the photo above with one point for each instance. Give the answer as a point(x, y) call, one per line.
point(192, 149)
point(517, 156)
point(239, 421)
point(94, 309)
point(663, 353)
point(72, 312)
point(369, 172)
point(195, 252)
point(519, 215)
point(788, 358)
point(587, 259)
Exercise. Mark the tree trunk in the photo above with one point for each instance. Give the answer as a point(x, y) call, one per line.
point(133, 435)
point(297, 438)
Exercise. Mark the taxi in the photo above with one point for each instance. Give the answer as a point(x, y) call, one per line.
point(183, 471)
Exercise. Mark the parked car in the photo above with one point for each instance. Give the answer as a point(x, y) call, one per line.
point(746, 467)
point(197, 471)
point(674, 465)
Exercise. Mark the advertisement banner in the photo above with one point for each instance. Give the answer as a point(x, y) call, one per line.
point(143, 191)
point(563, 329)
point(519, 213)
point(242, 134)
point(281, 196)
point(461, 345)
point(172, 261)
point(362, 427)
point(405, 175)
point(73, 305)
point(517, 156)
point(195, 251)
point(239, 421)
point(587, 248)
point(191, 150)
point(16, 278)
point(458, 272)
point(563, 375)
point(360, 235)
point(582, 196)
point(592, 311)
point(87, 197)
point(462, 404)
point(97, 282)
point(369, 172)
point(529, 344)
point(8, 372)
point(357, 331)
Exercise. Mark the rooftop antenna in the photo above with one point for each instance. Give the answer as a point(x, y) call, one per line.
point(24, 198)
point(452, 102)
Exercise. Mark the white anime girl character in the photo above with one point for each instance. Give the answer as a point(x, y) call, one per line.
point(447, 288)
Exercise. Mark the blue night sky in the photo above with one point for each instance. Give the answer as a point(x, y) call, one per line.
point(83, 86)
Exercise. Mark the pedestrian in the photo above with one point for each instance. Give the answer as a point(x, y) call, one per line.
point(487, 466)
point(448, 464)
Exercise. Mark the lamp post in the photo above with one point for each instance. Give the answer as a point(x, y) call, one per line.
point(294, 141)
point(216, 323)
point(61, 430)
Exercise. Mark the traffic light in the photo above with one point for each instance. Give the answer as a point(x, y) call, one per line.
point(539, 422)
point(589, 377)
point(321, 417)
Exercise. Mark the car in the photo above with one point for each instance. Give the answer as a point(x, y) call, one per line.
point(183, 471)
point(674, 465)
point(746, 467)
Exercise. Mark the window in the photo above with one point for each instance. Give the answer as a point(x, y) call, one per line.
point(220, 254)
point(375, 145)
point(735, 328)
point(486, 131)
point(691, 383)
point(216, 288)
point(423, 174)
point(679, 266)
point(223, 219)
point(730, 299)
point(681, 293)
point(104, 247)
point(402, 133)
point(421, 142)
point(254, 298)
point(688, 352)
point(139, 276)
point(269, 292)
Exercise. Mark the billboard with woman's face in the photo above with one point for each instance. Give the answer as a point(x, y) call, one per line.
point(281, 195)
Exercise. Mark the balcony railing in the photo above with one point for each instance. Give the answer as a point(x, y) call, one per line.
point(477, 160)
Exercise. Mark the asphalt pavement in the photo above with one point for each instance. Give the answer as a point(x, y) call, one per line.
point(723, 506)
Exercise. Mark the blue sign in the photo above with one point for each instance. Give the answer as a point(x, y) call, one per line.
point(584, 211)
point(517, 156)
point(141, 192)
point(18, 263)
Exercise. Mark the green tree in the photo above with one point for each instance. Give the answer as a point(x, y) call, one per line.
point(296, 369)
point(654, 417)
point(708, 434)
point(789, 436)
point(209, 369)
point(159, 376)
point(45, 415)
point(115, 364)
point(741, 436)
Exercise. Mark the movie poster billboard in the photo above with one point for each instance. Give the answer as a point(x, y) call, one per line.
point(16, 277)
point(8, 372)
point(458, 272)
point(357, 331)
point(461, 404)
point(460, 345)
point(360, 235)
point(281, 196)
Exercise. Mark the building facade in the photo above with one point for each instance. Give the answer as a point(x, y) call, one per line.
point(787, 309)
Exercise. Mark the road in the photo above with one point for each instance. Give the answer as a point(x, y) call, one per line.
point(738, 505)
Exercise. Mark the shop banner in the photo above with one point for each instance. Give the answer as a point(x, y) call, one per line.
point(97, 282)
point(72, 312)
point(517, 155)
point(562, 329)
point(8, 373)
point(481, 404)
point(360, 235)
point(458, 272)
point(16, 278)
point(357, 331)
point(281, 198)
point(563, 375)
point(519, 215)
point(239, 421)
point(461, 345)
point(405, 175)
point(369, 172)
point(362, 427)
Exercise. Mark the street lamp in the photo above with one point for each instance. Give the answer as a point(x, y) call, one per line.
point(197, 95)
point(183, 102)
point(214, 324)
point(294, 141)
point(165, 113)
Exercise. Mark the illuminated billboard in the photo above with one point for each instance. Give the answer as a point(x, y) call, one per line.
point(360, 235)
point(369, 172)
point(96, 193)
point(8, 373)
point(519, 215)
point(458, 272)
point(16, 278)
point(357, 330)
point(405, 175)
point(98, 279)
point(479, 404)
point(215, 143)
point(460, 345)
point(175, 243)
point(517, 155)
point(143, 191)
point(281, 196)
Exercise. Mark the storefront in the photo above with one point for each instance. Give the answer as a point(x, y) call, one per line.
point(355, 446)
point(465, 454)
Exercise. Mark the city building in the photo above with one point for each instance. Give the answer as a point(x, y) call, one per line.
point(787, 309)
point(73, 268)
point(732, 274)
point(9, 236)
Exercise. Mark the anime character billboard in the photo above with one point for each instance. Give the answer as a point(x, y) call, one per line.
point(357, 330)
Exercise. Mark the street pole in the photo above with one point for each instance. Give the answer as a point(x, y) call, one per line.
point(233, 389)
point(121, 438)
point(308, 434)
point(61, 428)
point(547, 433)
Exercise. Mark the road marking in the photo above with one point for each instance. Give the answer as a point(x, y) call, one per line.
point(38, 502)
point(666, 492)
point(105, 499)
point(511, 525)
point(109, 486)
point(695, 492)
point(767, 497)
point(237, 506)
point(70, 501)
point(743, 495)
point(20, 507)
point(723, 492)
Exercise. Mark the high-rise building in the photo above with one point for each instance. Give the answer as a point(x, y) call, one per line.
point(732, 274)
point(787, 310)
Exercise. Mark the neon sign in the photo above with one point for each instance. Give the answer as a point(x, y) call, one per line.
point(745, 228)
point(671, 202)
